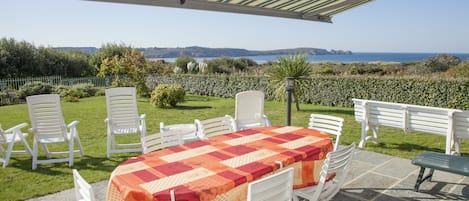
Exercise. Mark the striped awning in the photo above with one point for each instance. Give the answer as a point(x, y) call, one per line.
point(315, 10)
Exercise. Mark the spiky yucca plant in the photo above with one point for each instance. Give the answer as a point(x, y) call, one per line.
point(294, 66)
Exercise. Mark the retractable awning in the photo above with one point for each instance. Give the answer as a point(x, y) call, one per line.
point(314, 10)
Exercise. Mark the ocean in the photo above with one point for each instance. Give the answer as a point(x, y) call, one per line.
point(355, 57)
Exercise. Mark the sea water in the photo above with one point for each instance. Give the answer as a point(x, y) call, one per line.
point(355, 57)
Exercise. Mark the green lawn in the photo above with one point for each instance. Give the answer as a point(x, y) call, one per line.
point(19, 182)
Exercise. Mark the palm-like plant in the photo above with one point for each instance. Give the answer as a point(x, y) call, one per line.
point(294, 66)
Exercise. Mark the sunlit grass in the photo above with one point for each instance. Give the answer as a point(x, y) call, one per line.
point(19, 182)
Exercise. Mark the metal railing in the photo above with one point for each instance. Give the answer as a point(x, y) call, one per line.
point(16, 83)
point(8, 85)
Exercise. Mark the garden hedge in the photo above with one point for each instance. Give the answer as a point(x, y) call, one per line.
point(335, 90)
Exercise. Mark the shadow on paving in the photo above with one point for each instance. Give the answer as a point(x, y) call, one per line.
point(408, 194)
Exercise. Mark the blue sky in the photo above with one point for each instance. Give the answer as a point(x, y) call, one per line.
point(437, 26)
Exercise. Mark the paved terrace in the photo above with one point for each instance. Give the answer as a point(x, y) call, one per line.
point(373, 177)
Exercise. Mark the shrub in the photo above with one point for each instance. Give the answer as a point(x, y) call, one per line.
point(62, 90)
point(71, 98)
point(436, 64)
point(100, 92)
point(34, 88)
point(166, 95)
point(461, 70)
point(78, 90)
point(8, 97)
point(335, 90)
point(87, 89)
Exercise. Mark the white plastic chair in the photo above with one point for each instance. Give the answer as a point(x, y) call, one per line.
point(327, 124)
point(337, 162)
point(49, 127)
point(9, 137)
point(161, 140)
point(276, 187)
point(249, 110)
point(83, 190)
point(188, 131)
point(123, 119)
point(215, 126)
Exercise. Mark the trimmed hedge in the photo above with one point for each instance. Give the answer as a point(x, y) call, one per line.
point(334, 90)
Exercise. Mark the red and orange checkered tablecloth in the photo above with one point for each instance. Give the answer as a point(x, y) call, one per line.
point(221, 167)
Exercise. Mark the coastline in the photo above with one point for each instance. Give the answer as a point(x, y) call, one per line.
point(356, 57)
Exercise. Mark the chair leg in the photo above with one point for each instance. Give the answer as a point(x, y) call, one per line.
point(35, 150)
point(2, 150)
point(26, 145)
point(8, 153)
point(82, 152)
point(109, 146)
point(48, 154)
point(71, 152)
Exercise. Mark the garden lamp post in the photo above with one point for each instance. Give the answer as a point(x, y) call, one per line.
point(289, 87)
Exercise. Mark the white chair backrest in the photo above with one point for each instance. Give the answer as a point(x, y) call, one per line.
point(461, 124)
point(215, 126)
point(338, 162)
point(161, 140)
point(276, 187)
point(122, 109)
point(83, 190)
point(327, 124)
point(46, 116)
point(249, 108)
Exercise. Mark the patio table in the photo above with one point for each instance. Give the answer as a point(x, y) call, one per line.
point(220, 168)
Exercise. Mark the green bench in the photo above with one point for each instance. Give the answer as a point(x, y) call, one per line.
point(440, 161)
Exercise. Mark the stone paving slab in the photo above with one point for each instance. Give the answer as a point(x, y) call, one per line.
point(373, 177)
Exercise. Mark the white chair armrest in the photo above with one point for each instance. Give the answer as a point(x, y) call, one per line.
point(143, 116)
point(17, 127)
point(233, 123)
point(266, 120)
point(73, 124)
point(106, 120)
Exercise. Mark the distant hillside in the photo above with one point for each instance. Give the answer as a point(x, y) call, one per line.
point(154, 52)
point(86, 50)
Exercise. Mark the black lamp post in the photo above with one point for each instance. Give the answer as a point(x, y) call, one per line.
point(289, 87)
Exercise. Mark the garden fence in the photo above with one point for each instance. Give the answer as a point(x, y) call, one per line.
point(8, 86)
point(16, 83)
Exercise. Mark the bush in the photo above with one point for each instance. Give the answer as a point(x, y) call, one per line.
point(166, 95)
point(440, 63)
point(335, 90)
point(71, 98)
point(8, 97)
point(100, 92)
point(78, 90)
point(461, 70)
point(34, 88)
point(62, 90)
point(87, 89)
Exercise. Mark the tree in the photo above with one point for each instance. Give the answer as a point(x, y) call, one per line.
point(132, 65)
point(294, 66)
point(77, 64)
point(17, 59)
point(107, 51)
point(21, 59)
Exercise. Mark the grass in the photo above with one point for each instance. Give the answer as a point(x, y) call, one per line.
point(19, 182)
